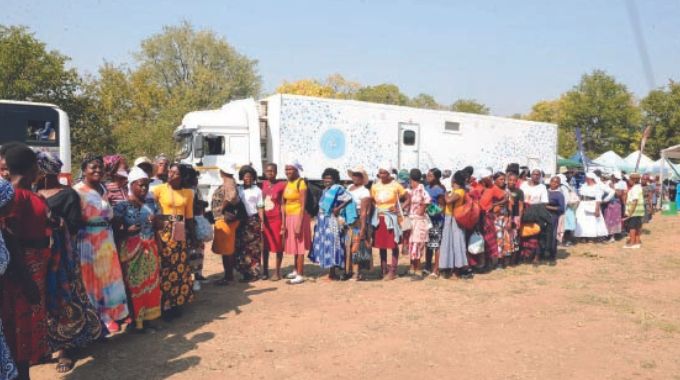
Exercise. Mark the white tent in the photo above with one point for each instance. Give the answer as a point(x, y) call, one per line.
point(631, 160)
point(610, 160)
point(666, 154)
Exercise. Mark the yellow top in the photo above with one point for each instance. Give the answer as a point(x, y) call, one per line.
point(386, 195)
point(291, 196)
point(452, 206)
point(180, 202)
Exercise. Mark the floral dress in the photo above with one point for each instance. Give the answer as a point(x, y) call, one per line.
point(328, 244)
point(8, 370)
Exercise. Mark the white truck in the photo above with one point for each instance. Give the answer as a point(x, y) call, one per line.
point(322, 133)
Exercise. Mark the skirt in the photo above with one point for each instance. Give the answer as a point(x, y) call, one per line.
point(272, 234)
point(383, 238)
point(612, 217)
point(141, 271)
point(328, 244)
point(530, 246)
point(453, 250)
point(435, 233)
point(72, 320)
point(490, 236)
point(176, 279)
point(224, 240)
point(503, 237)
point(362, 253)
point(8, 369)
point(587, 224)
point(295, 245)
point(25, 324)
point(249, 244)
point(420, 235)
point(569, 219)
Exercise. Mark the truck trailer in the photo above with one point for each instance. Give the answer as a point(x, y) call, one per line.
point(321, 133)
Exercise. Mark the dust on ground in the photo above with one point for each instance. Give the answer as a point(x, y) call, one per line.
point(602, 313)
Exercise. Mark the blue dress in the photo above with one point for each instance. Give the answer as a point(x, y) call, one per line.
point(8, 370)
point(328, 245)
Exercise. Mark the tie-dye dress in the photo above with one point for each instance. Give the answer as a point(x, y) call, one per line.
point(100, 265)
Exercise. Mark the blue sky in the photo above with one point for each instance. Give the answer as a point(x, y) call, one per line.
point(506, 54)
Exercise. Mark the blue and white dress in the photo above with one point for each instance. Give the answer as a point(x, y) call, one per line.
point(8, 369)
point(328, 245)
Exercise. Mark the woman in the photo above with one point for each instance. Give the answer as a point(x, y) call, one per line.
point(228, 211)
point(535, 199)
point(72, 320)
point(516, 209)
point(296, 228)
point(26, 233)
point(420, 223)
point(571, 200)
point(589, 221)
point(138, 249)
point(435, 211)
point(195, 247)
point(100, 265)
point(359, 242)
point(8, 369)
point(492, 204)
point(177, 211)
point(453, 246)
point(250, 233)
point(161, 163)
point(556, 205)
point(115, 179)
point(635, 211)
point(387, 195)
point(328, 245)
point(613, 213)
point(272, 226)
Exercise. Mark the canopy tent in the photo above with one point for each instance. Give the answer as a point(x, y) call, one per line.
point(569, 163)
point(610, 160)
point(666, 154)
point(631, 160)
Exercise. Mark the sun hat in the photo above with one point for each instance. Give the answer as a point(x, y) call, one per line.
point(358, 170)
point(228, 167)
point(143, 160)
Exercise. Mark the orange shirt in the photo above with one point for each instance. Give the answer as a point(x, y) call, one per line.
point(490, 196)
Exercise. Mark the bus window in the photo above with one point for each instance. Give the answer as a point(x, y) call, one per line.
point(40, 131)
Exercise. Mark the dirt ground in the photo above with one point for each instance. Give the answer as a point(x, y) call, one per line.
point(602, 313)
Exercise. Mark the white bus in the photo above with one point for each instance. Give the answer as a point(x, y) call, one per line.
point(41, 126)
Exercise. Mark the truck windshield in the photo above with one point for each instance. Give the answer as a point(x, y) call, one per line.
point(183, 145)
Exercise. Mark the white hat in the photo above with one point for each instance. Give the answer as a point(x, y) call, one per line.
point(385, 165)
point(294, 163)
point(136, 174)
point(228, 167)
point(143, 160)
point(482, 173)
point(122, 173)
point(592, 176)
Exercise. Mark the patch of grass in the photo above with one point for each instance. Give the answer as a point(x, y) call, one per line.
point(648, 364)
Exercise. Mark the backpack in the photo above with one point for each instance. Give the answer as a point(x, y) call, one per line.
point(467, 215)
point(311, 200)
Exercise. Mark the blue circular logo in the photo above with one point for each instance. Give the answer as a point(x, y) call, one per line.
point(333, 143)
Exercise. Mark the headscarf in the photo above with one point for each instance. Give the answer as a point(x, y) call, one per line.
point(6, 192)
point(136, 174)
point(294, 163)
point(111, 163)
point(483, 173)
point(49, 163)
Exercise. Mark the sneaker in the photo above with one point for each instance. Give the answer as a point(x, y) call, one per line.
point(611, 240)
point(113, 327)
point(635, 246)
point(627, 246)
point(296, 280)
point(292, 275)
point(197, 286)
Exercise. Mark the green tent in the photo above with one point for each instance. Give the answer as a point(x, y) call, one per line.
point(569, 163)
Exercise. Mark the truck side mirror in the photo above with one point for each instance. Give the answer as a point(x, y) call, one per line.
point(198, 146)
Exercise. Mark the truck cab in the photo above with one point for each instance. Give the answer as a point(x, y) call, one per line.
point(209, 138)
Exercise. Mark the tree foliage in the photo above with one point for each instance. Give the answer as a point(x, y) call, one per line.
point(550, 111)
point(469, 106)
point(383, 93)
point(306, 87)
point(424, 101)
point(661, 110)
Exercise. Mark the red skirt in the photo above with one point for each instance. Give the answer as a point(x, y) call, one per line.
point(383, 238)
point(272, 234)
point(25, 325)
point(490, 238)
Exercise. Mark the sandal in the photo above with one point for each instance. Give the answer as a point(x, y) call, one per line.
point(64, 365)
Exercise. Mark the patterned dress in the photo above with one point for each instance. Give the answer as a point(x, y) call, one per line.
point(72, 319)
point(420, 229)
point(140, 261)
point(100, 265)
point(328, 244)
point(8, 370)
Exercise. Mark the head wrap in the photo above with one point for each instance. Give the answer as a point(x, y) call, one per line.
point(483, 173)
point(136, 174)
point(403, 176)
point(49, 163)
point(385, 165)
point(6, 192)
point(294, 163)
point(591, 175)
point(112, 162)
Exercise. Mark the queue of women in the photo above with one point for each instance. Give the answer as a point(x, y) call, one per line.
point(124, 246)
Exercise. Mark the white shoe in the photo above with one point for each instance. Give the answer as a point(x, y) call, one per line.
point(635, 246)
point(291, 275)
point(297, 280)
point(197, 286)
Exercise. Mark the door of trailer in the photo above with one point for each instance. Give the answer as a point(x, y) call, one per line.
point(409, 146)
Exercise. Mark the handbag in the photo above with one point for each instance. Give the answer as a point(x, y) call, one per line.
point(467, 215)
point(404, 221)
point(204, 231)
point(530, 229)
point(178, 232)
point(476, 244)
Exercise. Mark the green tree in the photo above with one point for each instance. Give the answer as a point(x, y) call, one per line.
point(383, 93)
point(661, 110)
point(342, 88)
point(604, 110)
point(469, 106)
point(424, 101)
